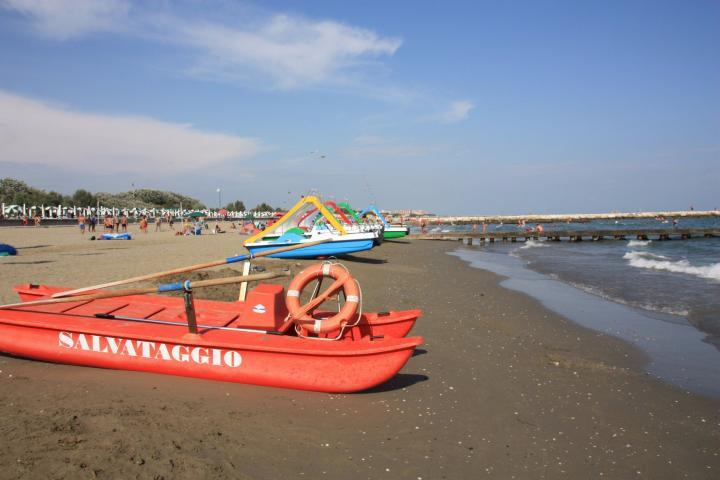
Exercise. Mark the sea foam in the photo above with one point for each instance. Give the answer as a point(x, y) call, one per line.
point(533, 243)
point(638, 243)
point(660, 262)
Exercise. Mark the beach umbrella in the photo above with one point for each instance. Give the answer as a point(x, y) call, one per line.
point(195, 215)
point(222, 211)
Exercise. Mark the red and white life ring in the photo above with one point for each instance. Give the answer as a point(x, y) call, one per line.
point(344, 281)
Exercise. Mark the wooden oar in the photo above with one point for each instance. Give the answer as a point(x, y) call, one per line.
point(167, 287)
point(199, 266)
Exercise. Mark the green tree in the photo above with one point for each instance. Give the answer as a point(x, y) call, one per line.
point(14, 191)
point(236, 206)
point(18, 192)
point(83, 198)
point(263, 207)
point(54, 198)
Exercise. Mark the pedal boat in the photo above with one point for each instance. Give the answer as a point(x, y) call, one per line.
point(337, 245)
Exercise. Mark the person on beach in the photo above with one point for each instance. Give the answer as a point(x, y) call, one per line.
point(158, 223)
point(25, 220)
point(93, 222)
point(123, 222)
point(170, 221)
point(36, 219)
point(143, 224)
point(81, 223)
point(539, 228)
point(484, 227)
point(107, 223)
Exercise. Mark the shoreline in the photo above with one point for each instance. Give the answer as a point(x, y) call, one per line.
point(502, 387)
point(678, 353)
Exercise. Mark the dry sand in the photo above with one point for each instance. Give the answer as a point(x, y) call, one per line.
point(502, 388)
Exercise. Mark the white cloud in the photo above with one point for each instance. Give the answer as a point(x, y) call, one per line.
point(247, 46)
point(63, 20)
point(34, 132)
point(294, 52)
point(281, 51)
point(456, 112)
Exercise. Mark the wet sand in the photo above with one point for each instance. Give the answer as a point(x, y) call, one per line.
point(502, 388)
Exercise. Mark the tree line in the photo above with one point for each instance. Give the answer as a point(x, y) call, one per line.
point(17, 192)
point(239, 206)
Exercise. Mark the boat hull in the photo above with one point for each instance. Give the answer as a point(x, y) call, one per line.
point(395, 232)
point(329, 249)
point(232, 356)
point(393, 323)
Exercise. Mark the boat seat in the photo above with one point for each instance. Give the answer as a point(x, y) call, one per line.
point(213, 318)
point(103, 306)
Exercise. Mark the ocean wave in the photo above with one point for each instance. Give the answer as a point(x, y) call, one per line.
point(532, 243)
point(660, 262)
point(638, 243)
point(598, 292)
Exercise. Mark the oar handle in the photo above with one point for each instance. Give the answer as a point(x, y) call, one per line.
point(200, 266)
point(143, 291)
point(187, 284)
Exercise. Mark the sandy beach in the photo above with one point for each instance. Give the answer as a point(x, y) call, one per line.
point(502, 387)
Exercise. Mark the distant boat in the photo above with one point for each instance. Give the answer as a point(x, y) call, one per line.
point(390, 230)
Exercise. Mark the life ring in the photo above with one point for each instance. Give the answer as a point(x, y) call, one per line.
point(343, 280)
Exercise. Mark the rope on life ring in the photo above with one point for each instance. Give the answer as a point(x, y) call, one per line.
point(305, 323)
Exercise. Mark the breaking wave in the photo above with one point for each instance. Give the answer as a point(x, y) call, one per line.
point(638, 243)
point(598, 292)
point(533, 243)
point(660, 262)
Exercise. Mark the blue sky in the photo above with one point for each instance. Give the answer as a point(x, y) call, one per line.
point(452, 107)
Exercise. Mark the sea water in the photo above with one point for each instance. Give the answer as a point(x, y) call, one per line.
point(665, 291)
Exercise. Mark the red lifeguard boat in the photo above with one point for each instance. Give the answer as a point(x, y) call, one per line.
point(247, 342)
